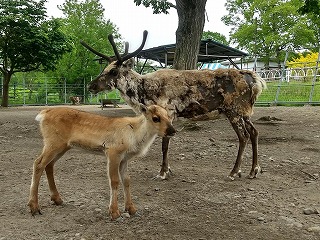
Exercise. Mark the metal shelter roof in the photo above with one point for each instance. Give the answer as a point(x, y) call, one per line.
point(209, 51)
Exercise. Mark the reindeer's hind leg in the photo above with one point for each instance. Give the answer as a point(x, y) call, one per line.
point(238, 125)
point(254, 141)
point(165, 169)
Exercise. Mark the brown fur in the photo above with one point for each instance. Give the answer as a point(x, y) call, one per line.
point(119, 138)
point(191, 94)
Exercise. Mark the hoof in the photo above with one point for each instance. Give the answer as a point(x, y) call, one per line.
point(233, 175)
point(114, 215)
point(164, 175)
point(131, 210)
point(254, 172)
point(57, 200)
point(34, 209)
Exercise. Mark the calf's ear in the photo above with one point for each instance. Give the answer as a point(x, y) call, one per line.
point(143, 108)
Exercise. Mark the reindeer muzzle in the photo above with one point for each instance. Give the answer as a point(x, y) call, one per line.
point(170, 131)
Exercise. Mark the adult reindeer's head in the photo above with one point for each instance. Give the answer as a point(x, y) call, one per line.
point(118, 67)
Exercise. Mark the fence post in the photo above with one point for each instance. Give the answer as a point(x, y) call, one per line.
point(65, 90)
point(281, 77)
point(84, 90)
point(314, 78)
point(24, 90)
point(46, 86)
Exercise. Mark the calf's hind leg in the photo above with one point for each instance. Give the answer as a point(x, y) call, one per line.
point(55, 196)
point(47, 157)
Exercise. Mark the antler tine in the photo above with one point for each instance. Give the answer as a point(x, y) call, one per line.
point(136, 52)
point(126, 48)
point(110, 37)
point(95, 51)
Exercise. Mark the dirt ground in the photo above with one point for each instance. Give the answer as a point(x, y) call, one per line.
point(197, 202)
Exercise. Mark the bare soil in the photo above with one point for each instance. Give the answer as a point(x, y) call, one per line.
point(197, 202)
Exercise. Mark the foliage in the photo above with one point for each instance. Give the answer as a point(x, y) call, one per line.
point(310, 6)
point(311, 9)
point(84, 20)
point(304, 60)
point(215, 36)
point(268, 28)
point(157, 6)
point(28, 41)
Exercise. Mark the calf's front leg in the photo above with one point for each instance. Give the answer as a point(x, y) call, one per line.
point(113, 173)
point(125, 178)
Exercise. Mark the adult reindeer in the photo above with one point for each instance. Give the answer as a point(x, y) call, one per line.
point(187, 93)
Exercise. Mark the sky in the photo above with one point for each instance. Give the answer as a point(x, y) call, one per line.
point(131, 20)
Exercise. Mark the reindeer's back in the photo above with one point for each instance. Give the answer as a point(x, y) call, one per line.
point(197, 92)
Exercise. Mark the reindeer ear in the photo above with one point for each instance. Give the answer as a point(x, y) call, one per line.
point(143, 108)
point(129, 64)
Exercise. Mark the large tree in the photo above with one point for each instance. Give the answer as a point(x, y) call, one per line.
point(28, 41)
point(268, 28)
point(191, 15)
point(84, 20)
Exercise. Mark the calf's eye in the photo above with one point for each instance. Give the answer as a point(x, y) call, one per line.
point(156, 119)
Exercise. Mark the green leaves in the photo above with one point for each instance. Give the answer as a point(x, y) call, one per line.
point(84, 20)
point(310, 6)
point(268, 27)
point(161, 6)
point(27, 40)
point(215, 36)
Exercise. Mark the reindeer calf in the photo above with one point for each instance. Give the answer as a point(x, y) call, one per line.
point(119, 138)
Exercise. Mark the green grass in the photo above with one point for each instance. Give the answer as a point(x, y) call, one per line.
point(289, 93)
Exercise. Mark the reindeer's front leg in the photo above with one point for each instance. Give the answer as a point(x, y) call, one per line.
point(114, 160)
point(165, 169)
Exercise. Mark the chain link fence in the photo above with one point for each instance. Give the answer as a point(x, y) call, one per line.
point(291, 86)
point(296, 86)
point(45, 91)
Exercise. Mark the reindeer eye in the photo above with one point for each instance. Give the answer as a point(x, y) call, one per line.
point(113, 72)
point(156, 119)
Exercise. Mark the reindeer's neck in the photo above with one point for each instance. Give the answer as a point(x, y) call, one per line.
point(132, 90)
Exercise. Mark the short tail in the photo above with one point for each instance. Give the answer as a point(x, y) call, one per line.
point(40, 116)
point(259, 85)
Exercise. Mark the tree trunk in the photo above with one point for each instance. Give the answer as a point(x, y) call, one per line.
point(191, 14)
point(5, 89)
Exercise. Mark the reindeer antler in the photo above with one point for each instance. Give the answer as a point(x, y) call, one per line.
point(109, 59)
point(130, 55)
point(120, 58)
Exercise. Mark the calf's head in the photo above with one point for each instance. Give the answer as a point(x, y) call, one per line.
point(159, 119)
